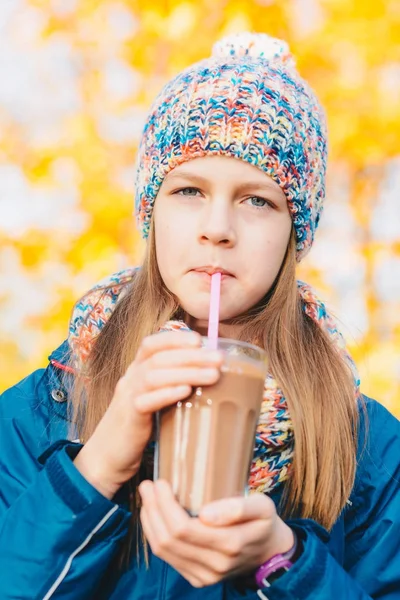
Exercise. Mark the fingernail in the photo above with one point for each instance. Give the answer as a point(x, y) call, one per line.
point(210, 513)
point(159, 485)
point(143, 487)
point(211, 373)
point(217, 356)
point(183, 390)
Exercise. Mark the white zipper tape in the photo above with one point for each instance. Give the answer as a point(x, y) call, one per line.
point(67, 566)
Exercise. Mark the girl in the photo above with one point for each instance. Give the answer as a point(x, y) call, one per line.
point(230, 178)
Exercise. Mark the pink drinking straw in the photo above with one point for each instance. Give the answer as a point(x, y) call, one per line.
point(213, 318)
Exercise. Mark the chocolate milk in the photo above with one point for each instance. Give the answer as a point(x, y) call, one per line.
point(206, 442)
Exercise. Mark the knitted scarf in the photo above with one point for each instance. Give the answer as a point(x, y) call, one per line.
point(274, 442)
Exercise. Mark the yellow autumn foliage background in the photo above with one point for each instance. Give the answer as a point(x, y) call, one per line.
point(76, 79)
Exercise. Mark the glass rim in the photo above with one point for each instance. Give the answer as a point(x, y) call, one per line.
point(240, 343)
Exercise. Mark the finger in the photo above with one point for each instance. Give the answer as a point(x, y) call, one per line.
point(193, 376)
point(172, 384)
point(236, 510)
point(188, 570)
point(221, 551)
point(186, 357)
point(160, 539)
point(194, 562)
point(177, 530)
point(158, 399)
point(165, 340)
point(177, 520)
point(148, 529)
point(188, 529)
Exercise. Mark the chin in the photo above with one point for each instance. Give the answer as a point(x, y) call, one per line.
point(200, 312)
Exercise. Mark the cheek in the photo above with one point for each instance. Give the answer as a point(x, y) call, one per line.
point(165, 249)
point(172, 241)
point(265, 261)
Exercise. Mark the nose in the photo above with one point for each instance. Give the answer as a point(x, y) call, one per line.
point(217, 224)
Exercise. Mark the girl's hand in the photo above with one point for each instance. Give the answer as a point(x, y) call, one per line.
point(166, 367)
point(244, 533)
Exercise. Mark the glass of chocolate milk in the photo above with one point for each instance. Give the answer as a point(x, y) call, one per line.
point(205, 443)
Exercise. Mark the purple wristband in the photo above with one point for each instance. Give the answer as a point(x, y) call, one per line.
point(274, 564)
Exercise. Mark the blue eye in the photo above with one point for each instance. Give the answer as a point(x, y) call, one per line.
point(258, 202)
point(187, 191)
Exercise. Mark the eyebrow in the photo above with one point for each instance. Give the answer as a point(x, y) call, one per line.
point(257, 186)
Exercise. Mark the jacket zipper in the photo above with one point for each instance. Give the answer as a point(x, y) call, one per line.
point(163, 586)
point(71, 557)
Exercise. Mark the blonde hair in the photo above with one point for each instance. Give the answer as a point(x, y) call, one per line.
point(315, 379)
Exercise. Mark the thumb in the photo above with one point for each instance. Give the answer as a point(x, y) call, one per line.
point(231, 511)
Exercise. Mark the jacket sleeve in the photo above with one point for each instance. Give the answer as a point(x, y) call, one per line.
point(57, 533)
point(371, 565)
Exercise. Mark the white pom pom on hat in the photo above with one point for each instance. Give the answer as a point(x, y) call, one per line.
point(254, 45)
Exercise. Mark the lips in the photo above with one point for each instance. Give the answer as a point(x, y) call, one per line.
point(211, 270)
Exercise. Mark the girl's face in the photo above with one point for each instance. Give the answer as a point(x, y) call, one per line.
point(220, 214)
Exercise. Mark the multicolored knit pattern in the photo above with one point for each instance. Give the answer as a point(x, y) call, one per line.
point(274, 442)
point(247, 101)
point(92, 312)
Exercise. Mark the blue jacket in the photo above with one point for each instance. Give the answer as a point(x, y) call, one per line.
point(58, 535)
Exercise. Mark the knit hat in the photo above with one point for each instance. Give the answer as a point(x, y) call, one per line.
point(247, 101)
